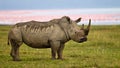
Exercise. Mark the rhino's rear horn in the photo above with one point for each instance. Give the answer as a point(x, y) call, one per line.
point(82, 26)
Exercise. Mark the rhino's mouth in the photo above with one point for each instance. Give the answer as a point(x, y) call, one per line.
point(82, 40)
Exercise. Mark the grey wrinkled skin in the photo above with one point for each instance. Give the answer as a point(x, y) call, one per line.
point(52, 34)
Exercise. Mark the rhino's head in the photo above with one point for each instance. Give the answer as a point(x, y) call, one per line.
point(74, 31)
point(80, 34)
point(83, 32)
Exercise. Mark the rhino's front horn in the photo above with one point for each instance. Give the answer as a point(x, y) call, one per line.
point(89, 24)
point(88, 27)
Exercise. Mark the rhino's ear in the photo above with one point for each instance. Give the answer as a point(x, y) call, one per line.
point(78, 20)
point(68, 18)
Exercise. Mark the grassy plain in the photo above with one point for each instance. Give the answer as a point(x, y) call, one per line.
point(102, 50)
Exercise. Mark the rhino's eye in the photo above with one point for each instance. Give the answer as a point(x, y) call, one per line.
point(75, 32)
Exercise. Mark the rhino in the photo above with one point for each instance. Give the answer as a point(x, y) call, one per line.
point(52, 34)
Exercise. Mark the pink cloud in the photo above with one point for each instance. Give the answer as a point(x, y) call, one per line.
point(46, 15)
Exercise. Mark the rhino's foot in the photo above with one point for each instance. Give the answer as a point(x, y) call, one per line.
point(60, 58)
point(16, 59)
point(53, 58)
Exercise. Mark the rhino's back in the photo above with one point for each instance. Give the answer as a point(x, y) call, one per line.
point(38, 34)
point(35, 34)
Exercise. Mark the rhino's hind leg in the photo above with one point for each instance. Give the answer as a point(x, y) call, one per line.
point(15, 50)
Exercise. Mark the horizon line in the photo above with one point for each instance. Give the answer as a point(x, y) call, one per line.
point(57, 9)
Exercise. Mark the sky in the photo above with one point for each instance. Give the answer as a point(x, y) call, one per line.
point(57, 4)
point(100, 11)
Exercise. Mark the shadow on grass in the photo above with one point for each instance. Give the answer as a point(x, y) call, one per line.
point(36, 59)
point(41, 59)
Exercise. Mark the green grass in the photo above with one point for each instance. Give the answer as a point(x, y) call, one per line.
point(102, 50)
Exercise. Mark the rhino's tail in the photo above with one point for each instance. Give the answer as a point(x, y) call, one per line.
point(8, 43)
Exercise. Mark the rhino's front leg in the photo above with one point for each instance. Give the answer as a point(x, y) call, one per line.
point(60, 51)
point(54, 48)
